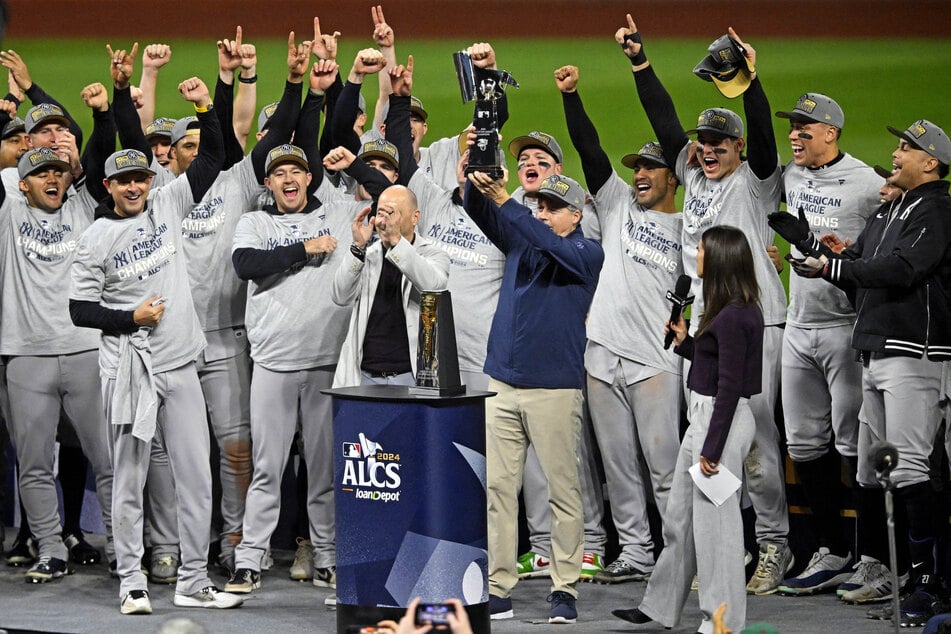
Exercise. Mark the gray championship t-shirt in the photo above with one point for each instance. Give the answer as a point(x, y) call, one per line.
point(642, 261)
point(837, 199)
point(292, 322)
point(121, 262)
point(475, 267)
point(38, 249)
point(743, 201)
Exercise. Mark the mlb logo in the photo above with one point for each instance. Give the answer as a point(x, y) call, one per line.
point(351, 450)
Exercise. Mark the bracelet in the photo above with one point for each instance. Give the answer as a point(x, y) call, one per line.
point(203, 108)
point(248, 80)
point(358, 252)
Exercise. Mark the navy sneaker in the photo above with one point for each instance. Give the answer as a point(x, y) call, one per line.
point(500, 608)
point(633, 615)
point(919, 606)
point(562, 608)
point(823, 574)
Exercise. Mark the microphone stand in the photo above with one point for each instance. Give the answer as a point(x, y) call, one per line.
point(884, 479)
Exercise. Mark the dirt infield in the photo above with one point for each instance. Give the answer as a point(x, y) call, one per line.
point(483, 19)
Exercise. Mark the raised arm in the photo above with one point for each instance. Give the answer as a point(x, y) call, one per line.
point(322, 76)
point(761, 149)
point(229, 61)
point(207, 165)
point(385, 40)
point(12, 61)
point(398, 130)
point(102, 141)
point(367, 61)
point(245, 103)
point(594, 160)
point(128, 123)
point(154, 57)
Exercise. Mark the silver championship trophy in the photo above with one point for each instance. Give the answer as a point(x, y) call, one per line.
point(486, 86)
point(437, 361)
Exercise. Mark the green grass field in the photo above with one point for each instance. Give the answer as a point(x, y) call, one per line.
point(877, 83)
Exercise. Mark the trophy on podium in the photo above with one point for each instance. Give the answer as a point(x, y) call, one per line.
point(486, 86)
point(437, 361)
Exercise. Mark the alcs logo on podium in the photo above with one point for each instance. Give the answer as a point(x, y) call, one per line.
point(371, 473)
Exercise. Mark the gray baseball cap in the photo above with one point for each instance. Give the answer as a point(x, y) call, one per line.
point(161, 127)
point(13, 126)
point(44, 113)
point(382, 149)
point(649, 151)
point(38, 159)
point(537, 139)
point(720, 121)
point(415, 108)
point(928, 137)
point(183, 127)
point(286, 153)
point(816, 108)
point(726, 66)
point(563, 189)
point(125, 161)
point(264, 118)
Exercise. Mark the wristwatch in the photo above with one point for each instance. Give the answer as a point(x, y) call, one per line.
point(358, 252)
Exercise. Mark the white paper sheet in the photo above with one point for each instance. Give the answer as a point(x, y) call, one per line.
point(719, 487)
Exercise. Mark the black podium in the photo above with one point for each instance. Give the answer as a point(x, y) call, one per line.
point(410, 500)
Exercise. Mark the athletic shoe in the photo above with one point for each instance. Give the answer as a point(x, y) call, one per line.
point(619, 571)
point(871, 582)
point(243, 581)
point(880, 613)
point(591, 564)
point(80, 551)
point(562, 608)
point(500, 608)
point(208, 597)
point(331, 601)
point(532, 566)
point(326, 577)
point(164, 569)
point(775, 560)
point(634, 615)
point(824, 572)
point(303, 567)
point(136, 602)
point(46, 569)
point(23, 553)
point(919, 606)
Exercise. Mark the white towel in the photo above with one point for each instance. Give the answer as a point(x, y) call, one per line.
point(135, 401)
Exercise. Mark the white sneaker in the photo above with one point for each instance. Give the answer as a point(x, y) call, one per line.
point(331, 601)
point(775, 560)
point(210, 597)
point(136, 602)
point(871, 582)
point(824, 573)
point(303, 567)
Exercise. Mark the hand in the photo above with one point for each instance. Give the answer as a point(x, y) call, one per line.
point(249, 59)
point(150, 312)
point(324, 46)
point(719, 627)
point(138, 97)
point(13, 88)
point(323, 244)
point(708, 467)
point(459, 619)
point(492, 189)
point(362, 227)
point(339, 159)
point(195, 91)
point(750, 51)
point(773, 252)
point(402, 78)
point(809, 266)
point(15, 64)
point(387, 225)
point(630, 41)
point(9, 107)
point(679, 329)
point(65, 147)
point(792, 229)
point(322, 75)
point(835, 243)
point(298, 55)
point(482, 55)
point(368, 61)
point(566, 78)
point(461, 166)
point(96, 97)
point(229, 53)
point(156, 55)
point(407, 624)
point(382, 32)
point(122, 65)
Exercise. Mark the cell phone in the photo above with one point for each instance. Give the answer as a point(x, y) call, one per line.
point(159, 301)
point(435, 613)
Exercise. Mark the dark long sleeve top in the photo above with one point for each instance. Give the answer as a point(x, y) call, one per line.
point(727, 364)
point(280, 127)
point(594, 160)
point(345, 112)
point(305, 137)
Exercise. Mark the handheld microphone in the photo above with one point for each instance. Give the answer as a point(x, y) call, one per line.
point(680, 299)
point(884, 456)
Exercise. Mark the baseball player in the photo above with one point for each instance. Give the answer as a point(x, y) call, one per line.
point(129, 280)
point(899, 269)
point(51, 365)
point(634, 385)
point(821, 380)
point(723, 188)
